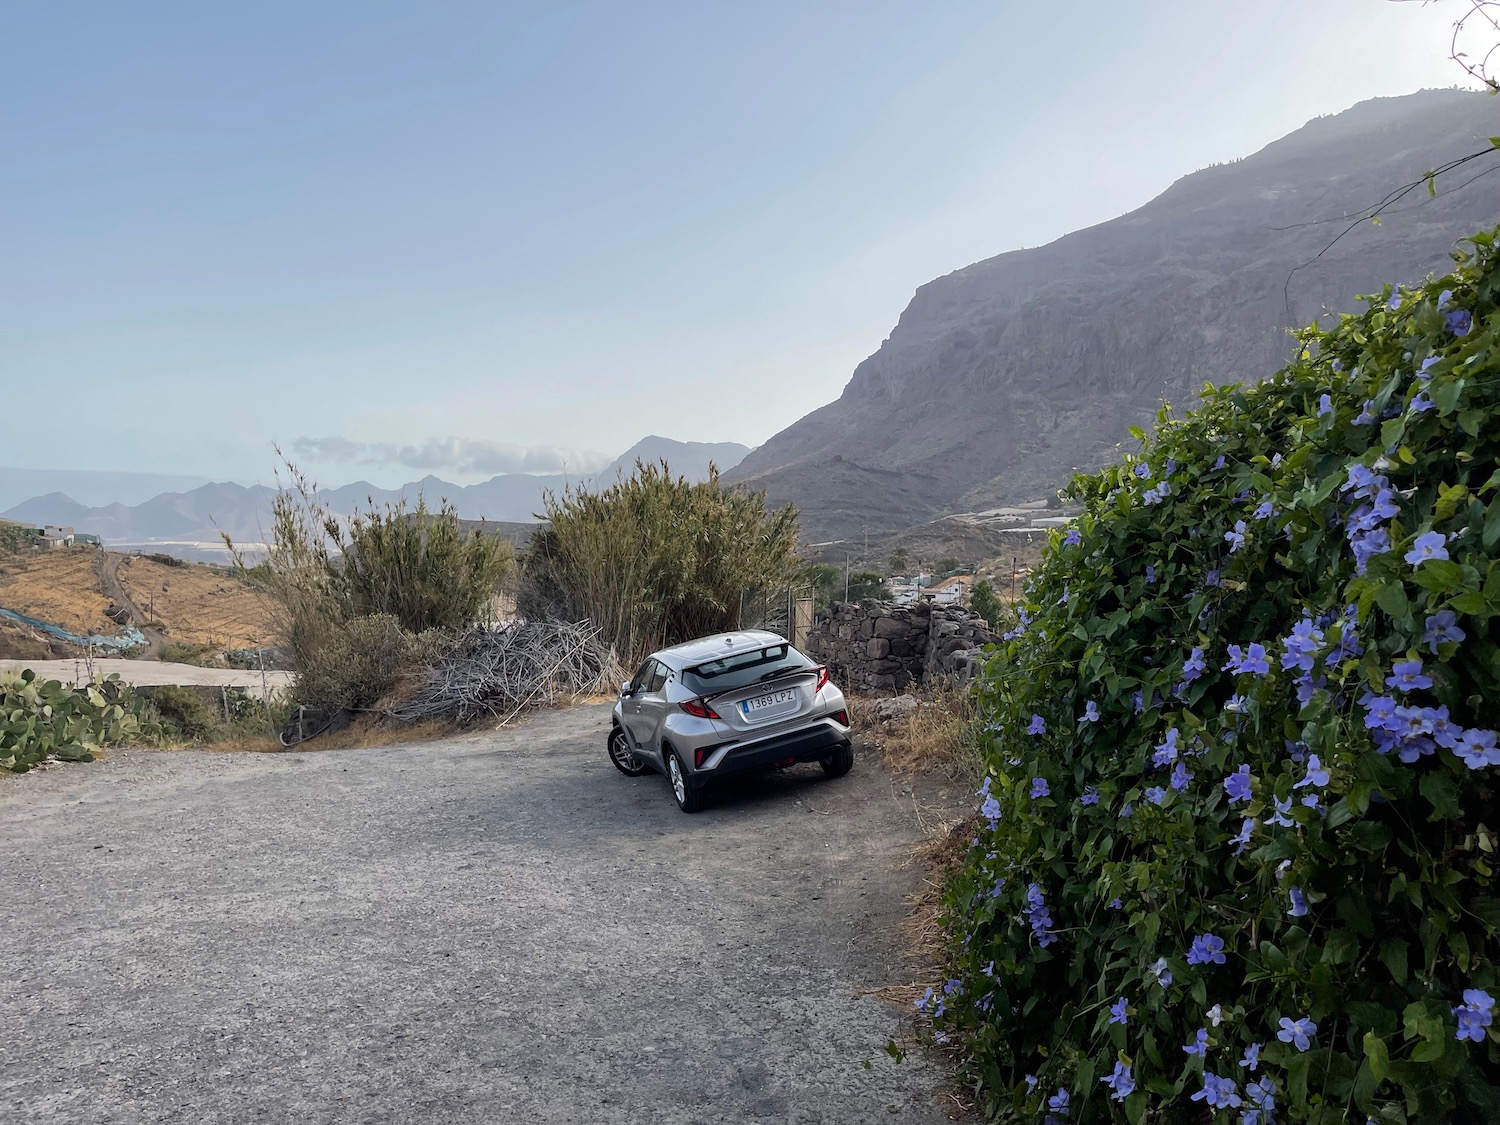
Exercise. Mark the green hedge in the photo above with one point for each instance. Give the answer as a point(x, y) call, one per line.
point(1237, 847)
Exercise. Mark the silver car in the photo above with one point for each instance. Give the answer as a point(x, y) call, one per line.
point(727, 705)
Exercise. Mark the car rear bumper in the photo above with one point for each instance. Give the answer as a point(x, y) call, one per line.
point(810, 744)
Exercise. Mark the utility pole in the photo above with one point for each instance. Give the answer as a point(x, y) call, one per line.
point(846, 576)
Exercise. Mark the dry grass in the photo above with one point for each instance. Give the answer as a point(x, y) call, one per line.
point(366, 732)
point(199, 605)
point(59, 587)
point(938, 735)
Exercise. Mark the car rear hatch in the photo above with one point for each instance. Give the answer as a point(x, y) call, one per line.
point(756, 691)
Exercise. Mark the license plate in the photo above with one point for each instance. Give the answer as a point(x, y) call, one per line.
point(761, 702)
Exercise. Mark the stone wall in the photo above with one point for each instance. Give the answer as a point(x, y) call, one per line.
point(875, 646)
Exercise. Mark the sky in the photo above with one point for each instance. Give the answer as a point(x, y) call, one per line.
point(477, 237)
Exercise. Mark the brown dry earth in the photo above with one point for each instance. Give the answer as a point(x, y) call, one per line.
point(196, 605)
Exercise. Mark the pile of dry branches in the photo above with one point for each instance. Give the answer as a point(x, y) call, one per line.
point(496, 673)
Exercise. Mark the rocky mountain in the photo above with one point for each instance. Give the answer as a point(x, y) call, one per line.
point(1001, 378)
point(198, 515)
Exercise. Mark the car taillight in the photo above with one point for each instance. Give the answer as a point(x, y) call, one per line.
point(841, 717)
point(700, 756)
point(699, 708)
point(822, 679)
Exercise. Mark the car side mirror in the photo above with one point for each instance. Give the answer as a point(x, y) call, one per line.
point(625, 691)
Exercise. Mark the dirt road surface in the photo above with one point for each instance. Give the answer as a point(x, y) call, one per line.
point(499, 928)
point(147, 673)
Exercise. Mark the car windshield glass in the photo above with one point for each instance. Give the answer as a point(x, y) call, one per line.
point(744, 669)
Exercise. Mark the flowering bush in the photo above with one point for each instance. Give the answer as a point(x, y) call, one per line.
point(1234, 863)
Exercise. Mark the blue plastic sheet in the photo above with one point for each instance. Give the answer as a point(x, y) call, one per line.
point(127, 638)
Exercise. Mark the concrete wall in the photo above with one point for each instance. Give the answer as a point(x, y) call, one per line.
point(881, 646)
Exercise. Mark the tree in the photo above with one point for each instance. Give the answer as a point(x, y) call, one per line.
point(947, 565)
point(900, 560)
point(985, 602)
point(866, 584)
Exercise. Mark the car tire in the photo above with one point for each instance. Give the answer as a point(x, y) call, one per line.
point(840, 762)
point(621, 755)
point(688, 799)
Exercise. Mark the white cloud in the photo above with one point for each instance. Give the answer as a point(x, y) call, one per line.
point(459, 456)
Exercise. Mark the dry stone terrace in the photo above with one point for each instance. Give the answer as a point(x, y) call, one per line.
point(874, 646)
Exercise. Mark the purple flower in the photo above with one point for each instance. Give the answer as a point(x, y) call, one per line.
point(1121, 1082)
point(1221, 1093)
point(1150, 575)
point(1474, 1014)
point(1199, 1045)
point(1116, 904)
point(1156, 794)
point(1429, 546)
point(1252, 1057)
point(1090, 796)
point(1394, 303)
point(1299, 903)
point(1477, 748)
point(1039, 917)
point(1040, 788)
point(1058, 1102)
point(1167, 749)
point(1073, 538)
point(1212, 578)
point(1180, 777)
point(1325, 405)
point(1143, 471)
point(1315, 775)
point(1235, 538)
point(1090, 712)
point(1367, 545)
point(1138, 698)
point(1243, 839)
point(1265, 511)
point(1161, 972)
point(1117, 1011)
point(1407, 675)
point(1424, 374)
point(1206, 948)
point(1219, 464)
point(1251, 660)
point(1443, 628)
point(1367, 416)
point(1194, 666)
point(1298, 1032)
point(1237, 784)
point(1460, 321)
point(1444, 297)
point(990, 810)
point(1038, 725)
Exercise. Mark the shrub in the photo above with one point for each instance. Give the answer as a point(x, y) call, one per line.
point(985, 602)
point(355, 598)
point(187, 712)
point(166, 560)
point(42, 718)
point(1236, 851)
point(654, 559)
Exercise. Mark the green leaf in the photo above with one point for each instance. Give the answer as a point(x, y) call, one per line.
point(1377, 1056)
point(1441, 792)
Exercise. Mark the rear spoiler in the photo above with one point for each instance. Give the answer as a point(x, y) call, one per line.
point(814, 670)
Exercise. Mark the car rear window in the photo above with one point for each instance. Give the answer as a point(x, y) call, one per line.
point(743, 669)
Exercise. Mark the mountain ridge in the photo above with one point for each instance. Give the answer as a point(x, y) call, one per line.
point(1001, 377)
point(243, 511)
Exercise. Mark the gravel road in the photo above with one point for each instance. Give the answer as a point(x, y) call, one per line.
point(497, 928)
